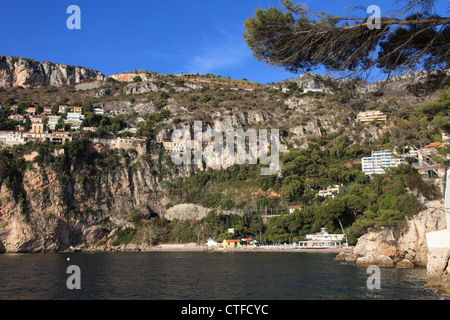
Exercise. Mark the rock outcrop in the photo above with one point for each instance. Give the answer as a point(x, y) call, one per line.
point(16, 71)
point(438, 271)
point(405, 82)
point(188, 211)
point(398, 245)
point(374, 258)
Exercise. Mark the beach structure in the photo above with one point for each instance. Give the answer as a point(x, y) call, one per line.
point(322, 240)
point(228, 244)
point(248, 242)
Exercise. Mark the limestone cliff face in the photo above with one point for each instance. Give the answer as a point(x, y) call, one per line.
point(438, 271)
point(15, 71)
point(409, 243)
point(51, 212)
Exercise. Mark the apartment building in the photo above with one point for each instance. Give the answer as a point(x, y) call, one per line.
point(379, 161)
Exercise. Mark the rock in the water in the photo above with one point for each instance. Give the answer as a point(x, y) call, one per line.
point(405, 264)
point(374, 258)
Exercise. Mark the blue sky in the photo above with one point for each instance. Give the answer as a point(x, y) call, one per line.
point(178, 36)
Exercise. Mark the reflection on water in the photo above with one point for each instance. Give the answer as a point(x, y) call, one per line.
point(202, 276)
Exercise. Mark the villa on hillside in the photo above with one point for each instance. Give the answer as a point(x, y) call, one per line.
point(370, 116)
point(11, 138)
point(330, 191)
point(17, 117)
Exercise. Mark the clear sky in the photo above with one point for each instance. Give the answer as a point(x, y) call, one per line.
point(178, 36)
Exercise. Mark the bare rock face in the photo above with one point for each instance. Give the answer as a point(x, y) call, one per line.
point(186, 212)
point(15, 71)
point(438, 271)
point(409, 243)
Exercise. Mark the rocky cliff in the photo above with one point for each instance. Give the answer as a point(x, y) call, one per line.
point(407, 248)
point(16, 71)
point(55, 208)
point(388, 247)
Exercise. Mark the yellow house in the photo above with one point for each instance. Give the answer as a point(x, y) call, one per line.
point(231, 243)
point(78, 110)
point(37, 127)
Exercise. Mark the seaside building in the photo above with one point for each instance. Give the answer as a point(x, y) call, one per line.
point(248, 242)
point(322, 239)
point(227, 244)
point(370, 116)
point(380, 160)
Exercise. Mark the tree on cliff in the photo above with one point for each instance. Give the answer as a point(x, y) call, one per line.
point(300, 40)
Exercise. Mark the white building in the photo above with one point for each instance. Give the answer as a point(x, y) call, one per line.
point(63, 109)
point(53, 122)
point(74, 118)
point(330, 191)
point(99, 111)
point(370, 116)
point(322, 239)
point(11, 137)
point(380, 160)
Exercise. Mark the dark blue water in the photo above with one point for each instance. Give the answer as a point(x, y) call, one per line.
point(202, 276)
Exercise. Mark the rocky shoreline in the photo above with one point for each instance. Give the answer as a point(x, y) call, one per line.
point(406, 249)
point(192, 247)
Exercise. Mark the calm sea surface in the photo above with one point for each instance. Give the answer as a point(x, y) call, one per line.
point(202, 276)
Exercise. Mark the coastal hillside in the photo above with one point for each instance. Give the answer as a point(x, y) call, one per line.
point(100, 174)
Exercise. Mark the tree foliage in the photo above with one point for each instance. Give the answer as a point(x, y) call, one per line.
point(299, 39)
